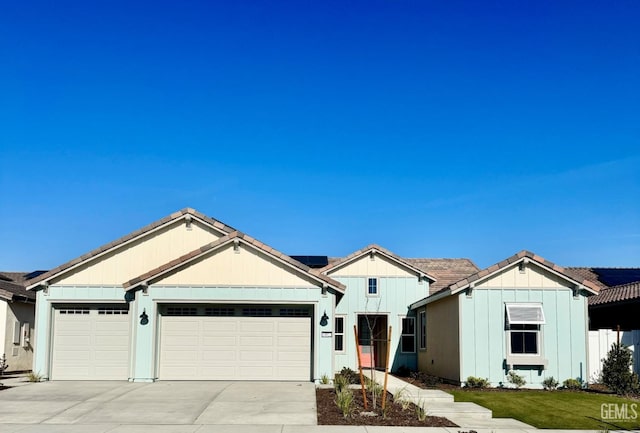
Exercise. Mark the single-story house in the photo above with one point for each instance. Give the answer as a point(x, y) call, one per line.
point(191, 298)
point(524, 314)
point(17, 315)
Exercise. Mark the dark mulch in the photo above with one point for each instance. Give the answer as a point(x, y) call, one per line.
point(4, 387)
point(330, 414)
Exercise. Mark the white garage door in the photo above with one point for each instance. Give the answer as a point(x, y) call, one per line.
point(90, 344)
point(235, 348)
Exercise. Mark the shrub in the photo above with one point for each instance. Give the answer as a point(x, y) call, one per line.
point(572, 384)
point(616, 370)
point(549, 383)
point(324, 379)
point(426, 379)
point(344, 400)
point(340, 382)
point(34, 377)
point(403, 371)
point(477, 382)
point(515, 379)
point(352, 376)
point(421, 413)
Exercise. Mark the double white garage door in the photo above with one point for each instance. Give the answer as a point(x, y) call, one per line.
point(93, 344)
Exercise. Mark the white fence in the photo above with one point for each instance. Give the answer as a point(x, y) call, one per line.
point(600, 342)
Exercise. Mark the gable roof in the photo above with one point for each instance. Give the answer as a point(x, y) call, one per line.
point(12, 287)
point(508, 262)
point(609, 295)
point(225, 240)
point(446, 271)
point(181, 214)
point(377, 249)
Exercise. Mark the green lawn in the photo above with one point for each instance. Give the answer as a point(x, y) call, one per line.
point(557, 409)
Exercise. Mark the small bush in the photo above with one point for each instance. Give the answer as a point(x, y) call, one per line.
point(421, 413)
point(34, 377)
point(426, 379)
point(477, 382)
point(401, 397)
point(549, 383)
point(616, 371)
point(344, 400)
point(324, 379)
point(572, 384)
point(340, 382)
point(515, 379)
point(352, 376)
point(403, 371)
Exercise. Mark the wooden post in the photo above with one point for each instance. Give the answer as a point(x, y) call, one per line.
point(364, 393)
point(386, 370)
point(618, 333)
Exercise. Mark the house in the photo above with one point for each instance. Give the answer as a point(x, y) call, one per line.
point(17, 312)
point(191, 298)
point(524, 314)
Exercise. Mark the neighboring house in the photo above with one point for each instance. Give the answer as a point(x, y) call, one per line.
point(17, 312)
point(524, 314)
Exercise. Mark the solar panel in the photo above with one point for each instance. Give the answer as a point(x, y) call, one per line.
point(617, 276)
point(312, 261)
point(33, 274)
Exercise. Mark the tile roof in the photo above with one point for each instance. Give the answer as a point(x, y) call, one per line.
point(223, 228)
point(193, 255)
point(465, 282)
point(12, 287)
point(446, 271)
point(587, 274)
point(336, 262)
point(624, 292)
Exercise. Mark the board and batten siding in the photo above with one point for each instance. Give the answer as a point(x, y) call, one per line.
point(483, 335)
point(139, 256)
point(397, 289)
point(442, 355)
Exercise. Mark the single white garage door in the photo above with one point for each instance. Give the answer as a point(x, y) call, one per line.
point(235, 348)
point(90, 343)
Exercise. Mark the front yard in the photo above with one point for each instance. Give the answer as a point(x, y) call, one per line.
point(557, 409)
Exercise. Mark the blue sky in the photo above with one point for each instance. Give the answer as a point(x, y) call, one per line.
point(435, 129)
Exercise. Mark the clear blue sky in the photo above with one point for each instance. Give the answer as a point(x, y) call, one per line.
point(435, 129)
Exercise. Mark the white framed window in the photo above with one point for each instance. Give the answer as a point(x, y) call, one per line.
point(372, 287)
point(338, 334)
point(422, 323)
point(524, 335)
point(408, 335)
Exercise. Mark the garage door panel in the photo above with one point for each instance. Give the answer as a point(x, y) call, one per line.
point(90, 346)
point(236, 348)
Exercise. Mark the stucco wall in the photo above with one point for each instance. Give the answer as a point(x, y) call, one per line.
point(19, 356)
point(442, 355)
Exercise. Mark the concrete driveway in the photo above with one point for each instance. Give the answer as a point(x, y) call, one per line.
point(159, 403)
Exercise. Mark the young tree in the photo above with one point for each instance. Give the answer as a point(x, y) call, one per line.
point(616, 370)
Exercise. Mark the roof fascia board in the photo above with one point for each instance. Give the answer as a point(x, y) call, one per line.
point(528, 260)
point(221, 245)
point(420, 273)
point(127, 242)
point(430, 299)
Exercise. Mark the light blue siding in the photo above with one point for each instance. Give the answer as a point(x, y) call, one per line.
point(145, 338)
point(395, 295)
point(484, 339)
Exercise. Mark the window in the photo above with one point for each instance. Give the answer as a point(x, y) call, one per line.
point(372, 286)
point(408, 337)
point(256, 312)
point(523, 324)
point(181, 311)
point(523, 339)
point(297, 312)
point(422, 320)
point(219, 311)
point(338, 334)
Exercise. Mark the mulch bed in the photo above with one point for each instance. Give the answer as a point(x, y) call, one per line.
point(330, 414)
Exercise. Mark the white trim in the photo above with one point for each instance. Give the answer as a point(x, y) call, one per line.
point(535, 315)
point(120, 245)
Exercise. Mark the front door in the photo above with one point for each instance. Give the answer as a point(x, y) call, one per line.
point(372, 338)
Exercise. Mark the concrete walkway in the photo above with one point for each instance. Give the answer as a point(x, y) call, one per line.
point(188, 407)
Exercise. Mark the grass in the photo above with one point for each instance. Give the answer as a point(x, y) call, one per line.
point(555, 409)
